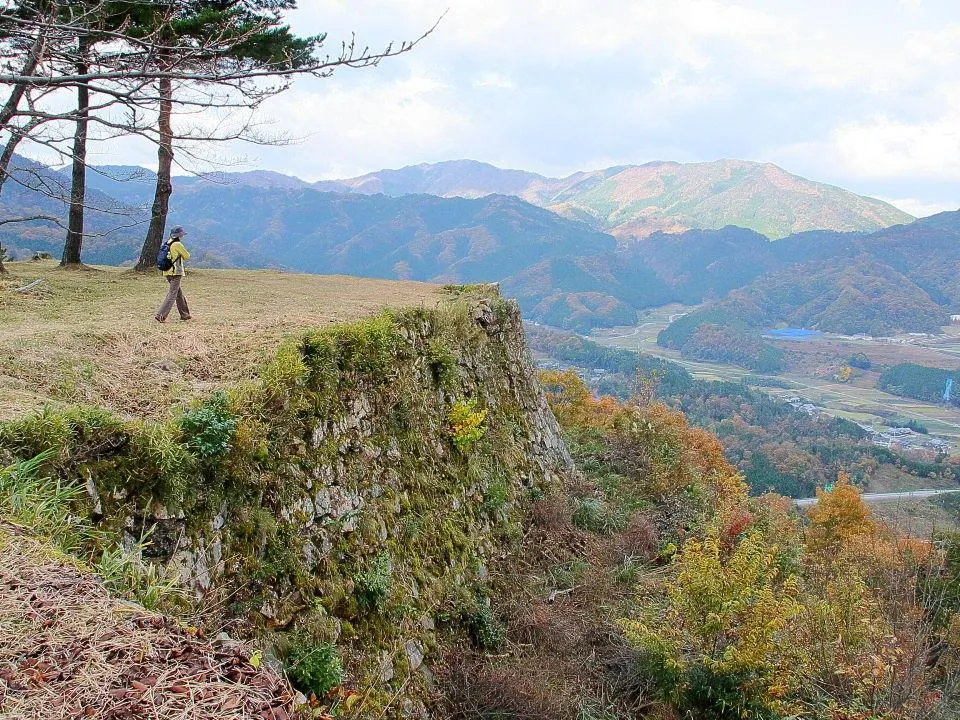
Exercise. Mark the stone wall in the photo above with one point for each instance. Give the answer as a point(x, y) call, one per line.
point(343, 512)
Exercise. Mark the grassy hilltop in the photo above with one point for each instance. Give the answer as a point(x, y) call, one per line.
point(90, 337)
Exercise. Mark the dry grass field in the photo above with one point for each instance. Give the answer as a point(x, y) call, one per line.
point(89, 336)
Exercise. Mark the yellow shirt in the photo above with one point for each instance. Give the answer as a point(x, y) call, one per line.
point(177, 253)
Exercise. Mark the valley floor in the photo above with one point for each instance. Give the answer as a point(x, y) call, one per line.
point(812, 364)
point(90, 336)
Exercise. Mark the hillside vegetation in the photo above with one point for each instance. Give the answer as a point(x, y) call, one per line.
point(635, 201)
point(775, 446)
point(919, 382)
point(738, 609)
point(387, 506)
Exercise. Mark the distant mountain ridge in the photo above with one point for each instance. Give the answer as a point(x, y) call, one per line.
point(265, 221)
point(629, 202)
point(637, 200)
point(563, 271)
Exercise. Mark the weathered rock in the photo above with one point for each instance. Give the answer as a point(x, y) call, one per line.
point(414, 654)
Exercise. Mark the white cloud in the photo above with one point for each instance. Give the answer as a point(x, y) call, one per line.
point(885, 147)
point(349, 129)
point(500, 81)
point(921, 208)
point(853, 91)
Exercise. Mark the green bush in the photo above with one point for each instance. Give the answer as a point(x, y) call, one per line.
point(467, 426)
point(486, 631)
point(315, 669)
point(594, 516)
point(859, 360)
point(372, 586)
point(496, 497)
point(441, 361)
point(208, 429)
point(709, 695)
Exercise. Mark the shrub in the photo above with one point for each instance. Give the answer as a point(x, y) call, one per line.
point(315, 669)
point(373, 584)
point(714, 638)
point(594, 516)
point(486, 631)
point(496, 497)
point(441, 361)
point(713, 695)
point(208, 429)
point(573, 403)
point(467, 424)
point(859, 360)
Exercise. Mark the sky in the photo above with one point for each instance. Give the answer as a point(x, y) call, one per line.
point(864, 94)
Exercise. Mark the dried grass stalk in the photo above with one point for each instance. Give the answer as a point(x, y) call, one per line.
point(70, 650)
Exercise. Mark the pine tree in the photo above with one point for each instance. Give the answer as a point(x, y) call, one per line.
point(251, 35)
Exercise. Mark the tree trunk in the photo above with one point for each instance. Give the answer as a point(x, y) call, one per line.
point(78, 183)
point(161, 197)
point(7, 156)
point(12, 105)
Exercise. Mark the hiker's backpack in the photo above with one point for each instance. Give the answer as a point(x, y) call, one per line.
point(164, 262)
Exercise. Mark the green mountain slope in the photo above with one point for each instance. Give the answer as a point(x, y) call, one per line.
point(672, 196)
point(638, 200)
point(564, 272)
point(421, 237)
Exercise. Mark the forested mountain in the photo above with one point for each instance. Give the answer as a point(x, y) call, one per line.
point(563, 271)
point(420, 237)
point(638, 200)
point(630, 202)
point(901, 279)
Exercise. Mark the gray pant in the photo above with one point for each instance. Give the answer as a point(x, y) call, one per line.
point(174, 295)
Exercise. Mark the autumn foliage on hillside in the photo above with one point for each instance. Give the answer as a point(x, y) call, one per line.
point(751, 610)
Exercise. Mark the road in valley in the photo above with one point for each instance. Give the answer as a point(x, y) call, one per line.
point(887, 497)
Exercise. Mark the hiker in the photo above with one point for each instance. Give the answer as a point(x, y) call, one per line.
point(170, 261)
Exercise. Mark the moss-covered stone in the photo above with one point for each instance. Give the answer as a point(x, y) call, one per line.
point(340, 469)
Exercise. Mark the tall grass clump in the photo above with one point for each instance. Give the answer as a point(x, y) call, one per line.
point(43, 505)
point(52, 509)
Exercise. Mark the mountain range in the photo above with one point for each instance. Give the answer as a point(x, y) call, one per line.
point(630, 201)
point(638, 200)
point(564, 270)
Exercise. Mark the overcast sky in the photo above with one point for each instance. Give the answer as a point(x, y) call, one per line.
point(860, 93)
